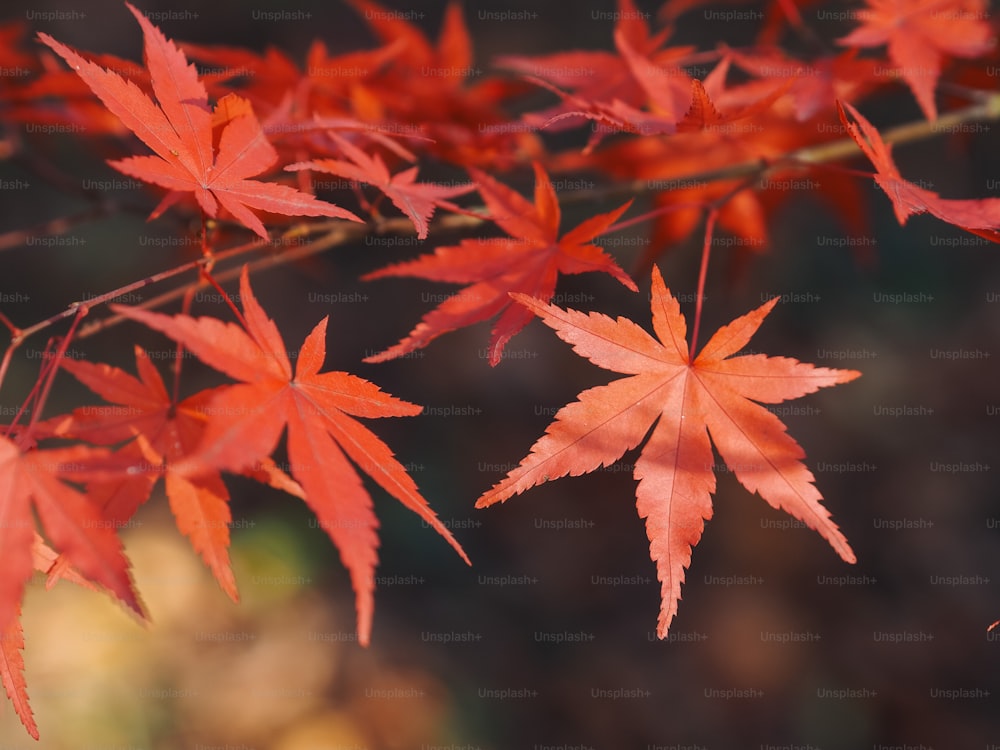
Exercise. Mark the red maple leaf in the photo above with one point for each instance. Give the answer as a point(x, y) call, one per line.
point(415, 199)
point(529, 261)
point(686, 399)
point(603, 82)
point(919, 33)
point(12, 671)
point(751, 99)
point(677, 103)
point(272, 80)
point(72, 522)
point(436, 91)
point(818, 83)
point(247, 419)
point(980, 216)
point(673, 170)
point(180, 130)
point(171, 431)
point(12, 641)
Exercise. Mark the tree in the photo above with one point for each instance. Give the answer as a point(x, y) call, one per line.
point(261, 160)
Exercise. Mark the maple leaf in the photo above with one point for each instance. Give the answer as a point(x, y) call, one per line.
point(31, 479)
point(669, 93)
point(703, 115)
point(247, 420)
point(297, 108)
point(616, 117)
point(817, 84)
point(529, 262)
point(686, 399)
point(12, 671)
point(604, 83)
point(415, 199)
point(171, 431)
point(919, 33)
point(666, 86)
point(673, 168)
point(180, 130)
point(12, 641)
point(272, 77)
point(427, 88)
point(979, 216)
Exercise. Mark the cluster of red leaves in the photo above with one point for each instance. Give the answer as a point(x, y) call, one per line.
point(657, 113)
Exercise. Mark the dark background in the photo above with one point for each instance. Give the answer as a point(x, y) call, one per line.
point(794, 655)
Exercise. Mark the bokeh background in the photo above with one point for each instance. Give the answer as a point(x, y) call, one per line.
point(548, 641)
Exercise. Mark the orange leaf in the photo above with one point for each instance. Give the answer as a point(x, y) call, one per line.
point(979, 216)
point(611, 88)
point(246, 420)
point(682, 401)
point(179, 130)
point(919, 33)
point(171, 431)
point(529, 261)
point(76, 528)
point(12, 671)
point(415, 199)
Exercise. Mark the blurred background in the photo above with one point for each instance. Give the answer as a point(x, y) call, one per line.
point(548, 640)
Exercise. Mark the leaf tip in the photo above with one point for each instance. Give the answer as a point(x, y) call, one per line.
point(770, 304)
point(488, 498)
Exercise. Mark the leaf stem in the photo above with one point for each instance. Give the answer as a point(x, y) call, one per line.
point(52, 367)
point(706, 250)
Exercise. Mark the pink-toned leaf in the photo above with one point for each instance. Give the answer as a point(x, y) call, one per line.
point(683, 403)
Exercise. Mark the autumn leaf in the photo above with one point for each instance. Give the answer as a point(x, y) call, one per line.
point(435, 90)
point(33, 480)
point(980, 216)
point(822, 81)
point(676, 103)
point(12, 639)
point(529, 261)
point(604, 85)
point(179, 128)
point(919, 33)
point(32, 92)
point(142, 406)
point(666, 85)
point(751, 100)
point(273, 82)
point(12, 671)
point(318, 409)
point(415, 199)
point(687, 400)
